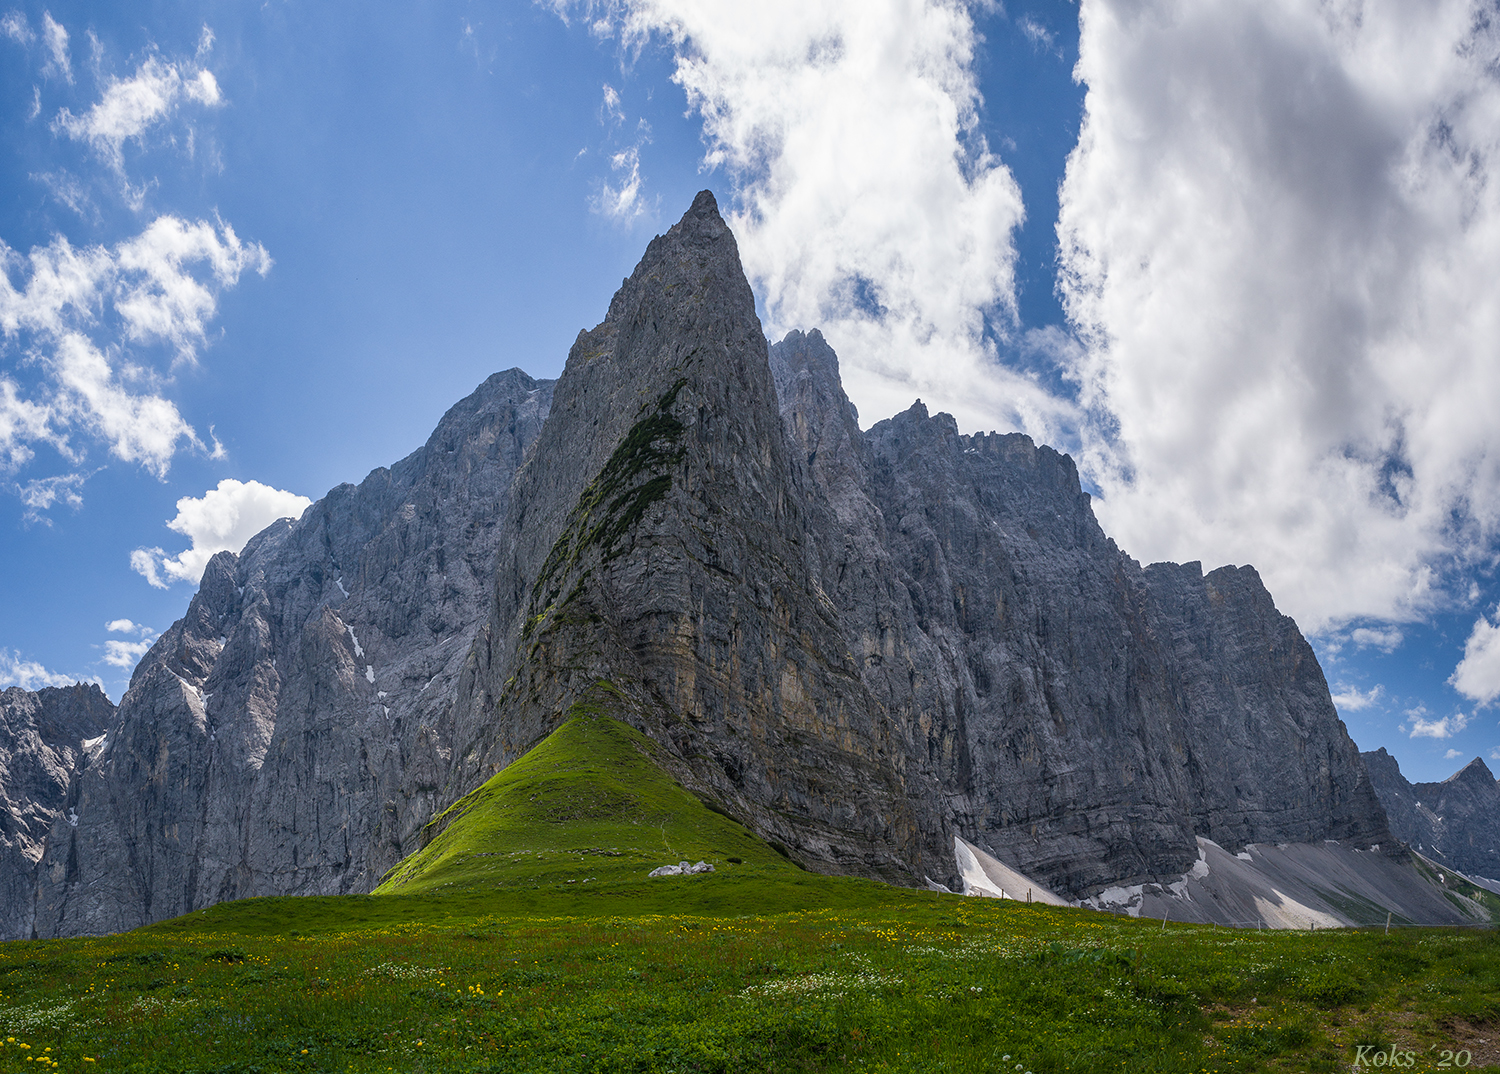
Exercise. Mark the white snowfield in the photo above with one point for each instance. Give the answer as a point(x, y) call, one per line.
point(985, 876)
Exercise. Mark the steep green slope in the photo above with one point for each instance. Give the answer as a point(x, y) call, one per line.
point(588, 805)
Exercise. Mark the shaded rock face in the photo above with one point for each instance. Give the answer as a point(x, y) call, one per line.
point(1081, 716)
point(43, 736)
point(659, 540)
point(290, 734)
point(1456, 822)
point(865, 643)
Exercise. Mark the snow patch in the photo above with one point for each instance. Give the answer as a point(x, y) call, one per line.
point(370, 674)
point(340, 583)
point(357, 650)
point(72, 816)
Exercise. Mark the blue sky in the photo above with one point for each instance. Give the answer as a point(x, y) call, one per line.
point(295, 234)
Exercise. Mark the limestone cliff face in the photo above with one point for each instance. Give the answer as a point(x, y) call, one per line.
point(659, 541)
point(864, 643)
point(43, 737)
point(1082, 716)
point(1456, 822)
point(290, 734)
point(859, 643)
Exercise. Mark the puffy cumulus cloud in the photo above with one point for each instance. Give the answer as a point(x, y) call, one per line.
point(1351, 699)
point(126, 654)
point(129, 107)
point(1386, 640)
point(1279, 235)
point(222, 519)
point(65, 307)
point(1477, 676)
point(871, 205)
point(1420, 725)
point(30, 675)
point(1451, 754)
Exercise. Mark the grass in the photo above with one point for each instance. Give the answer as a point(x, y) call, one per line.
point(524, 937)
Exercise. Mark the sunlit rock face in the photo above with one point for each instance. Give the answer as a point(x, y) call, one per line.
point(289, 734)
point(860, 643)
point(1455, 822)
point(43, 737)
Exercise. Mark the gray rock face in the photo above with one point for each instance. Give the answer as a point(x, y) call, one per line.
point(1083, 717)
point(860, 644)
point(864, 643)
point(290, 734)
point(43, 737)
point(658, 541)
point(1456, 822)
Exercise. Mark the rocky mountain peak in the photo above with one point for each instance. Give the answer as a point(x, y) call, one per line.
point(1477, 774)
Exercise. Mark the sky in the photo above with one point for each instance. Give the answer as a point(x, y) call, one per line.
point(1238, 258)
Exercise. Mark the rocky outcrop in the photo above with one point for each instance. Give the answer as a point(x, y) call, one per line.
point(43, 737)
point(1455, 822)
point(289, 734)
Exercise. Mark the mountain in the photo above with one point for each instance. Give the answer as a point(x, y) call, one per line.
point(1455, 822)
point(857, 644)
point(43, 737)
point(289, 734)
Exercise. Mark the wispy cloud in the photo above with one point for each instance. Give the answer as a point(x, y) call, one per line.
point(619, 199)
point(222, 519)
point(1420, 726)
point(1041, 38)
point(56, 39)
point(30, 675)
point(40, 494)
point(13, 25)
point(130, 107)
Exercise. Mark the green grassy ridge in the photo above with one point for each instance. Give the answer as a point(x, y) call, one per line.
point(589, 805)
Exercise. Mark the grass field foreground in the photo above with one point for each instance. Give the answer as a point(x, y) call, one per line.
point(511, 943)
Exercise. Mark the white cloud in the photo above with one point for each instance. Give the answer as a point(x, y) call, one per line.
point(223, 519)
point(1350, 699)
point(1477, 676)
point(621, 200)
point(1280, 233)
point(56, 40)
point(1422, 727)
point(1040, 37)
point(1452, 754)
point(1495, 754)
point(163, 287)
point(1386, 640)
point(40, 494)
point(872, 207)
point(125, 626)
point(129, 107)
point(126, 654)
point(13, 25)
point(28, 674)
